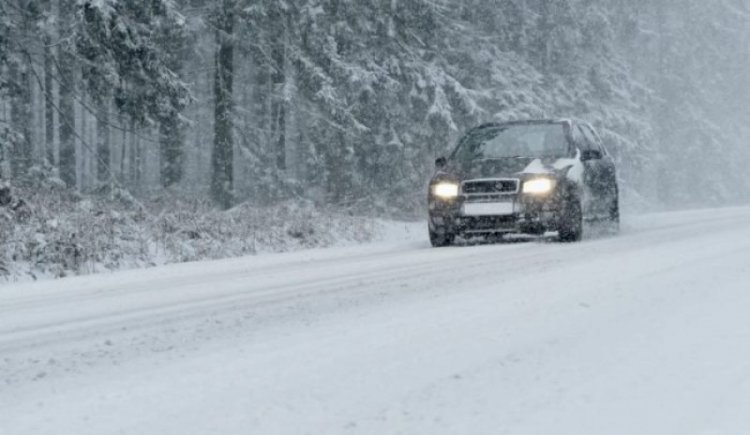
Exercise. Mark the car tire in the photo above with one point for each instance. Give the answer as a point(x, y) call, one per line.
point(614, 216)
point(441, 240)
point(570, 228)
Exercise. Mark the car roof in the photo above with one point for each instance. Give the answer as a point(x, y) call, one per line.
point(528, 122)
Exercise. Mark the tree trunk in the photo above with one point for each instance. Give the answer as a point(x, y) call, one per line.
point(20, 117)
point(278, 57)
point(222, 177)
point(20, 94)
point(136, 158)
point(103, 150)
point(66, 90)
point(83, 163)
point(171, 127)
point(49, 104)
point(171, 138)
point(263, 120)
point(123, 151)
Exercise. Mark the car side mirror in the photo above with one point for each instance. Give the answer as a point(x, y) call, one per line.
point(440, 162)
point(587, 155)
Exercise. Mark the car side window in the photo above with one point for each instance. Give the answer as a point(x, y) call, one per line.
point(579, 139)
point(600, 141)
point(592, 138)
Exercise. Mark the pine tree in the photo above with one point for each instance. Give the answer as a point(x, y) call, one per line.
point(49, 38)
point(222, 178)
point(67, 78)
point(124, 62)
point(19, 85)
point(171, 40)
point(349, 101)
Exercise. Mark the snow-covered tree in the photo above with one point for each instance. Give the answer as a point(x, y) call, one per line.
point(348, 102)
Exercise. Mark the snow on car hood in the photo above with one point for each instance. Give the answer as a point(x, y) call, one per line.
point(572, 168)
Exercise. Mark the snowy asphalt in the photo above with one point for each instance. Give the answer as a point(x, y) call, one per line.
point(646, 333)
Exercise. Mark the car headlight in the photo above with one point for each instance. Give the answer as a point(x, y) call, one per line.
point(445, 190)
point(538, 186)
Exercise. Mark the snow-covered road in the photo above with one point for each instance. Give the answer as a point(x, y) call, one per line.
point(647, 333)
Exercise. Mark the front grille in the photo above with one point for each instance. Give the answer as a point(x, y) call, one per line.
point(480, 224)
point(494, 186)
point(481, 197)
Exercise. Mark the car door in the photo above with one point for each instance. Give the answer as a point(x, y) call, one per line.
point(582, 147)
point(610, 168)
point(600, 173)
point(592, 172)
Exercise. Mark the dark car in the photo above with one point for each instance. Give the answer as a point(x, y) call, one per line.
point(528, 177)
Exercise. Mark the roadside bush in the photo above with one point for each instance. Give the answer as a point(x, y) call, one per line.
point(57, 233)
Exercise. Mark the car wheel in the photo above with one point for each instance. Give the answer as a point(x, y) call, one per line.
point(441, 240)
point(614, 216)
point(571, 223)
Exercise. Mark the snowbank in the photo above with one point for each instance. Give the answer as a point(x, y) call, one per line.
point(50, 232)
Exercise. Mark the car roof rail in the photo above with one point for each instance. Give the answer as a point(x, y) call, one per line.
point(526, 121)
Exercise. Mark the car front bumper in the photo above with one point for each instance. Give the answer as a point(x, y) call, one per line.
point(530, 215)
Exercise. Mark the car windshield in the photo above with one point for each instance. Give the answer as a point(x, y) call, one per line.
point(535, 140)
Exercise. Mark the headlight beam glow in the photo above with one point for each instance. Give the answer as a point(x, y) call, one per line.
point(538, 186)
point(445, 190)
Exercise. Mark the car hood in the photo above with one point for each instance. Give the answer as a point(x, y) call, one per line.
point(505, 168)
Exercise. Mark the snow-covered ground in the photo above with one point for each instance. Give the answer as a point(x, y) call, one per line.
point(642, 333)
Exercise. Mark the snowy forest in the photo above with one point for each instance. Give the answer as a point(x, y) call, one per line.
point(118, 114)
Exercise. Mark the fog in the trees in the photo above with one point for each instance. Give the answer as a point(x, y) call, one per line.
point(346, 103)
